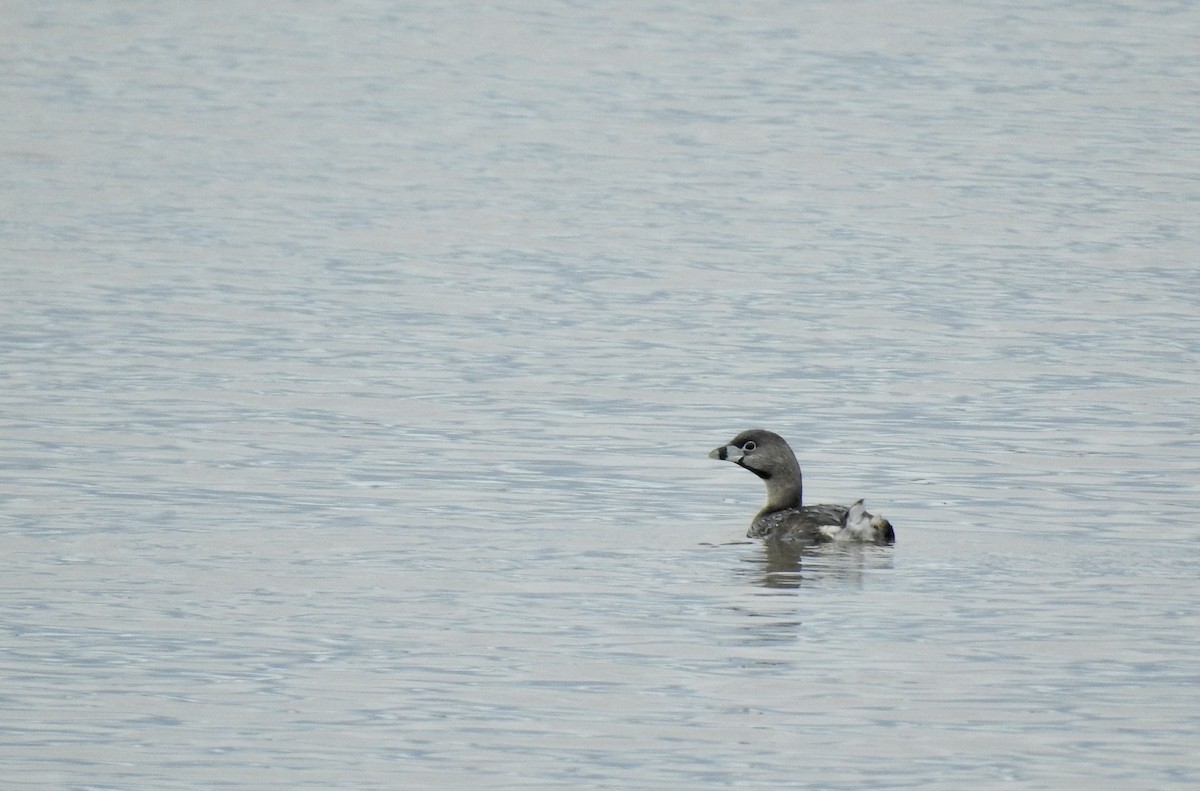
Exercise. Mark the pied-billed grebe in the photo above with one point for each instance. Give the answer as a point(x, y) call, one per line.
point(785, 517)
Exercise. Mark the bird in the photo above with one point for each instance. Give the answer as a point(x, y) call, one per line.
point(784, 517)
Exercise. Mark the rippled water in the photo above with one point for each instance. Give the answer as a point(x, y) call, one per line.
point(361, 361)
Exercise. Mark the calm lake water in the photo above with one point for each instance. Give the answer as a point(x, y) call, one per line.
point(360, 362)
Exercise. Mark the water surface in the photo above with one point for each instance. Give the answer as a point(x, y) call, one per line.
point(360, 363)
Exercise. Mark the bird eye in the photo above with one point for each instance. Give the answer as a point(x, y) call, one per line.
point(749, 446)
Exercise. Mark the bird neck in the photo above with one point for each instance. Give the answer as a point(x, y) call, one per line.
point(785, 489)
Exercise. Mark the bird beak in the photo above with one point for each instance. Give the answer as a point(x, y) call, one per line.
point(727, 453)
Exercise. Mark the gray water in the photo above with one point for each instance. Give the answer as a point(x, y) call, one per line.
point(360, 362)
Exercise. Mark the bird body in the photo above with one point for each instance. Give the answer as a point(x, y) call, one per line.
point(784, 516)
